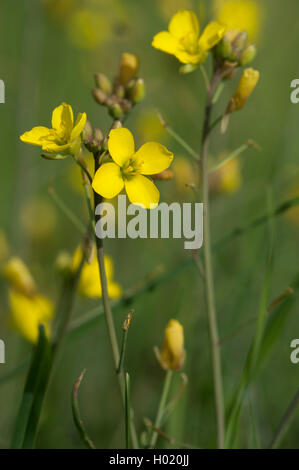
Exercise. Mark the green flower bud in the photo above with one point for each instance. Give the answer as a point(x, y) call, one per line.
point(136, 90)
point(248, 55)
point(103, 83)
point(187, 68)
point(224, 48)
point(116, 111)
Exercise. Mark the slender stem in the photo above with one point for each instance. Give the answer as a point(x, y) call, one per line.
point(209, 279)
point(285, 422)
point(178, 138)
point(162, 406)
point(107, 310)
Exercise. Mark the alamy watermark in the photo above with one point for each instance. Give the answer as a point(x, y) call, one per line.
point(173, 220)
point(2, 352)
point(295, 353)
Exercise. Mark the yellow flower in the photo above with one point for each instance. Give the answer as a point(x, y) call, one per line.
point(19, 277)
point(240, 15)
point(64, 137)
point(173, 354)
point(247, 84)
point(88, 28)
point(29, 312)
point(128, 168)
point(39, 220)
point(89, 283)
point(183, 40)
point(184, 173)
point(230, 176)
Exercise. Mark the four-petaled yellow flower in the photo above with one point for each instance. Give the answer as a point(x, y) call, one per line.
point(183, 40)
point(90, 283)
point(128, 168)
point(64, 137)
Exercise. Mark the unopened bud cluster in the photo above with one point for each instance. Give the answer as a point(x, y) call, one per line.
point(234, 49)
point(126, 91)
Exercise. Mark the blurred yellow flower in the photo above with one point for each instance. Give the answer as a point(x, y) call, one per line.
point(149, 125)
point(19, 277)
point(172, 355)
point(168, 8)
point(247, 84)
point(27, 313)
point(64, 137)
point(240, 15)
point(88, 28)
point(230, 178)
point(90, 283)
point(185, 173)
point(38, 219)
point(183, 40)
point(128, 168)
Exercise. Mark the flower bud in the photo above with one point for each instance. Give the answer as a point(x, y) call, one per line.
point(120, 91)
point(87, 131)
point(172, 355)
point(224, 48)
point(103, 83)
point(19, 277)
point(98, 134)
point(187, 68)
point(240, 41)
point(136, 90)
point(247, 84)
point(116, 111)
point(99, 96)
point(128, 68)
point(116, 125)
point(248, 55)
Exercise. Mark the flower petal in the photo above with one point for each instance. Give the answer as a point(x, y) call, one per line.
point(186, 58)
point(79, 126)
point(121, 145)
point(211, 35)
point(51, 147)
point(165, 42)
point(142, 191)
point(184, 23)
point(108, 181)
point(153, 158)
point(35, 136)
point(62, 118)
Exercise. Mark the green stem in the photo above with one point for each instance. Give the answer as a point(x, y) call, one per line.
point(162, 407)
point(107, 310)
point(178, 138)
point(285, 422)
point(209, 279)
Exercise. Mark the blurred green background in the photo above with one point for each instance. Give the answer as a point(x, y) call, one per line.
point(49, 52)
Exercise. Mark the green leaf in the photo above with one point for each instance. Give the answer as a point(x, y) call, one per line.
point(27, 420)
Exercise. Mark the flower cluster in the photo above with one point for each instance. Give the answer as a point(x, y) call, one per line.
point(128, 89)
